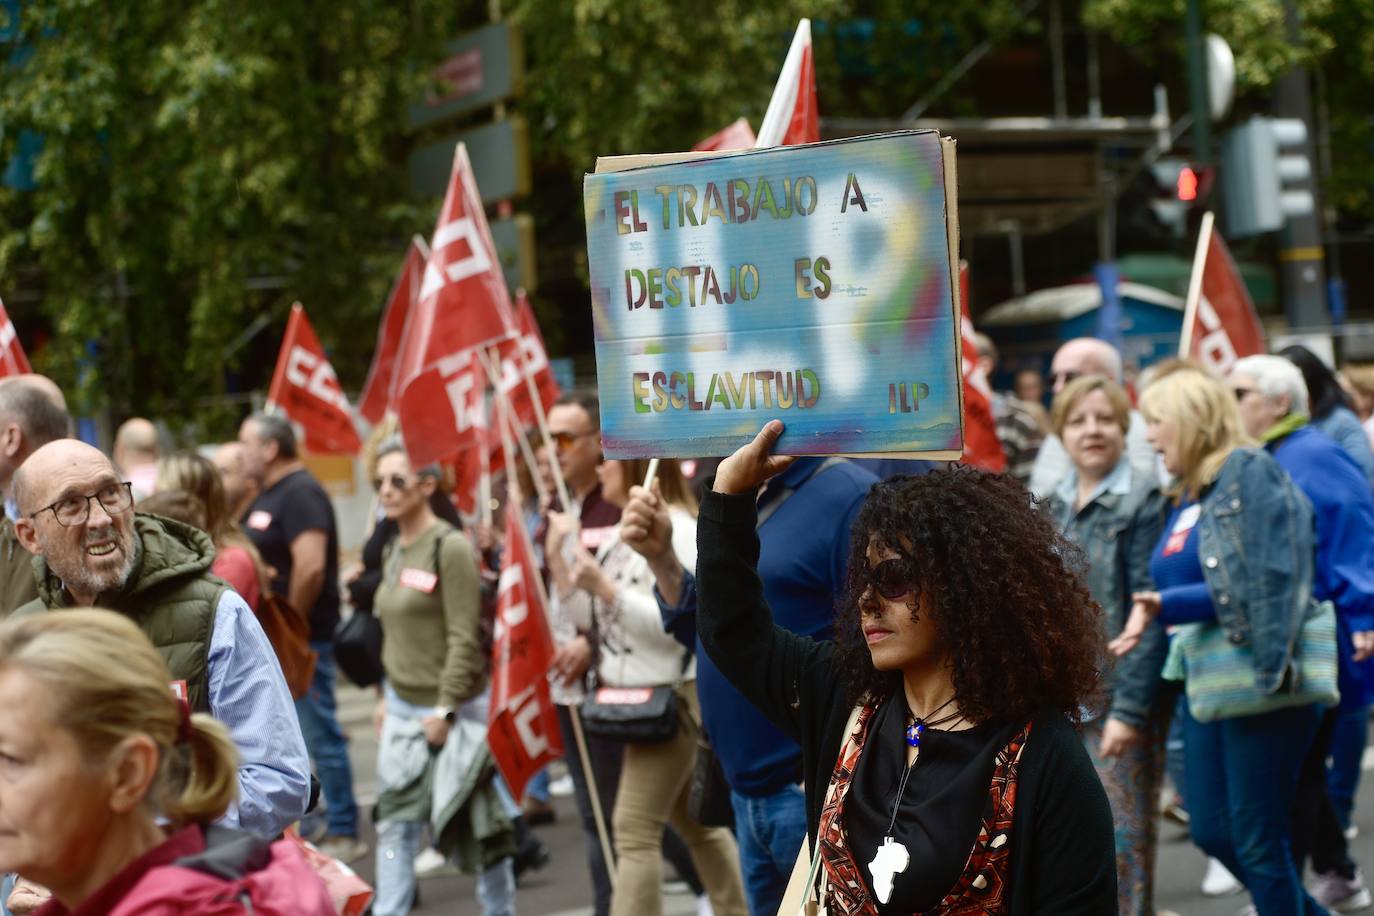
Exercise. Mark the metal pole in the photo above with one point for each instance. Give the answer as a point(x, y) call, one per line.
point(1094, 77)
point(1061, 101)
point(1018, 260)
point(1197, 83)
point(1302, 269)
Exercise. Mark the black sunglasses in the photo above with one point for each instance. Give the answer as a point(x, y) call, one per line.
point(397, 481)
point(891, 578)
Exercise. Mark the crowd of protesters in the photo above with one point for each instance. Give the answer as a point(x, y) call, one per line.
point(888, 687)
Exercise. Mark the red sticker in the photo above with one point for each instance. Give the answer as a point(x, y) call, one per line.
point(180, 690)
point(260, 520)
point(419, 580)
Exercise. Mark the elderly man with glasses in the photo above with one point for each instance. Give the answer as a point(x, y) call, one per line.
point(92, 550)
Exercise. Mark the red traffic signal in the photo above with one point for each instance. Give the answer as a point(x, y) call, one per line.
point(1187, 184)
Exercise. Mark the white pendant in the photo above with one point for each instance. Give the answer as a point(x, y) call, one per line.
point(890, 860)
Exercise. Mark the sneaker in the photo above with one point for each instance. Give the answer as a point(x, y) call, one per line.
point(562, 787)
point(704, 906)
point(1218, 882)
point(1344, 895)
point(531, 856)
point(430, 862)
point(346, 849)
point(675, 886)
point(1174, 811)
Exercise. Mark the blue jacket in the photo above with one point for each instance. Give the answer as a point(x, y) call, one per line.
point(1342, 425)
point(1257, 544)
point(803, 558)
point(1117, 530)
point(1344, 509)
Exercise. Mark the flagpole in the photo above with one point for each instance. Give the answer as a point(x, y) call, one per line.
point(542, 419)
point(507, 420)
point(650, 474)
point(1204, 239)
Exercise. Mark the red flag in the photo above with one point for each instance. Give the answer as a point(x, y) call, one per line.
point(535, 363)
point(793, 116)
point(12, 358)
point(522, 726)
point(376, 397)
point(982, 448)
point(463, 304)
point(306, 390)
point(736, 135)
point(1220, 325)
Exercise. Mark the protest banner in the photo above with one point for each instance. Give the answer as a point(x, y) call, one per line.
point(376, 397)
point(13, 360)
point(1219, 321)
point(306, 390)
point(813, 283)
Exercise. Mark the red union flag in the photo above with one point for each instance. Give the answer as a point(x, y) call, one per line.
point(522, 726)
point(1219, 322)
point(793, 116)
point(736, 135)
point(12, 358)
point(982, 448)
point(376, 397)
point(463, 305)
point(306, 390)
point(525, 355)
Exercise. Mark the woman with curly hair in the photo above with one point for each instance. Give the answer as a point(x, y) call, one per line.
point(938, 731)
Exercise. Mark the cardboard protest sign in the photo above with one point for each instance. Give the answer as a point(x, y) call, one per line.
point(814, 284)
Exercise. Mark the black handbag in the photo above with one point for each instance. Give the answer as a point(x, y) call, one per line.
point(358, 648)
point(708, 798)
point(632, 715)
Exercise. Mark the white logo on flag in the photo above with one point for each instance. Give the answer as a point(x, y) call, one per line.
point(1215, 349)
point(476, 262)
point(321, 381)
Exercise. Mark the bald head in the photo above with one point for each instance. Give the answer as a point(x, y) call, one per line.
point(1085, 356)
point(50, 467)
point(135, 443)
point(45, 385)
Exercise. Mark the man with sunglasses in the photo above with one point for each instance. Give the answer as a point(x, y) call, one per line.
point(78, 517)
point(1075, 359)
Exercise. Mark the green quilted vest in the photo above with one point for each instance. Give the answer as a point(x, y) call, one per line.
point(171, 595)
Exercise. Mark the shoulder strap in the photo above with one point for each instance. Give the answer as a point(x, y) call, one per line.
point(785, 493)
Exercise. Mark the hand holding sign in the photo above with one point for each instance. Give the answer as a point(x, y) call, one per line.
point(754, 463)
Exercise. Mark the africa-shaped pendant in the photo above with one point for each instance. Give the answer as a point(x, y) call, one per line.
point(890, 860)
point(914, 731)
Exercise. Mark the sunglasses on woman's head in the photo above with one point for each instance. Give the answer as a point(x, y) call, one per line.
point(891, 578)
point(397, 481)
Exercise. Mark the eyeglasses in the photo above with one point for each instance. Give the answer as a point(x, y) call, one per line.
point(1242, 392)
point(890, 578)
point(74, 510)
point(564, 441)
point(397, 481)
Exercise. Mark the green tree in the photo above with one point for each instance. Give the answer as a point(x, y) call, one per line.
point(203, 162)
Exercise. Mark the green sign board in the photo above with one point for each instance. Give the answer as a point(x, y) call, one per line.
point(500, 159)
point(479, 69)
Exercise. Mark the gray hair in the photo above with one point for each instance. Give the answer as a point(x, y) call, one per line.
point(395, 445)
point(275, 428)
point(40, 418)
point(1274, 377)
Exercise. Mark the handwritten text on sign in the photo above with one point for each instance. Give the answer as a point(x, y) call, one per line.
point(810, 283)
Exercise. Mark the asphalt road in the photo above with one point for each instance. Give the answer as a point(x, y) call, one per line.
point(564, 887)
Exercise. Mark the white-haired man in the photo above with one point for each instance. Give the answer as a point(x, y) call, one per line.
point(1087, 356)
point(1272, 398)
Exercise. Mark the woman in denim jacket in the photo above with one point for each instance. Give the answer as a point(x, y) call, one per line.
point(1115, 516)
point(1237, 551)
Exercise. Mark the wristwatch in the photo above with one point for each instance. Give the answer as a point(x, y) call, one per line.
point(446, 713)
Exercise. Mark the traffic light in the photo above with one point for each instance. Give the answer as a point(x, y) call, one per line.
point(1180, 187)
point(1266, 175)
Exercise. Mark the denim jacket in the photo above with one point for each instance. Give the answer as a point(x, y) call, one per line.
point(1257, 544)
point(1117, 530)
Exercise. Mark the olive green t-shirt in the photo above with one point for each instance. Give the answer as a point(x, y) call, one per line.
point(430, 616)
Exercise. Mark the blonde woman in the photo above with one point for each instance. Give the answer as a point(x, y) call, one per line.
point(108, 783)
point(1236, 554)
point(611, 595)
point(237, 561)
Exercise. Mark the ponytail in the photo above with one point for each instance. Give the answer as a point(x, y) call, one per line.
point(201, 774)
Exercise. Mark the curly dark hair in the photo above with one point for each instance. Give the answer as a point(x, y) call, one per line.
point(1001, 584)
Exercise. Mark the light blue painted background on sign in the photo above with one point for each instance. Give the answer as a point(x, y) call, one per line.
point(888, 318)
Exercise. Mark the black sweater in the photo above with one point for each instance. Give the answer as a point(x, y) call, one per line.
point(1062, 862)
